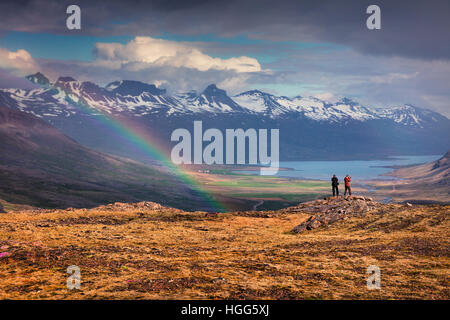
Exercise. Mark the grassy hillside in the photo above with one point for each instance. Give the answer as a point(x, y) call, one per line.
point(41, 167)
point(144, 251)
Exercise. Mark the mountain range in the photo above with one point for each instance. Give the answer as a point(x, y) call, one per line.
point(310, 128)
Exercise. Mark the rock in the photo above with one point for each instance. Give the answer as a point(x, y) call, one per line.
point(332, 210)
point(313, 224)
point(409, 204)
point(120, 206)
point(211, 215)
point(300, 228)
point(219, 279)
point(359, 206)
point(149, 204)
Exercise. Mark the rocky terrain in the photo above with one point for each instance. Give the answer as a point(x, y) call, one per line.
point(148, 251)
point(331, 210)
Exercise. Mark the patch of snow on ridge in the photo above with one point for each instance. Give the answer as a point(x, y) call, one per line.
point(354, 112)
point(113, 85)
point(251, 101)
point(406, 115)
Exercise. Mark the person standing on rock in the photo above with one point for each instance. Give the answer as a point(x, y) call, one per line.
point(334, 185)
point(347, 181)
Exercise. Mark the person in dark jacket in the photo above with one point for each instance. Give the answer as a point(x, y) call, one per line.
point(334, 185)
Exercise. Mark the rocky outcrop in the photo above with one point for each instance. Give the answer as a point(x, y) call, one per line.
point(330, 210)
point(120, 206)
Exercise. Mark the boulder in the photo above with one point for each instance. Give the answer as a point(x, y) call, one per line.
point(313, 224)
point(300, 228)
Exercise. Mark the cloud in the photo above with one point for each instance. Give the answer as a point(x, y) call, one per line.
point(173, 79)
point(371, 80)
point(416, 29)
point(144, 52)
point(234, 84)
point(8, 80)
point(391, 77)
point(327, 96)
point(19, 62)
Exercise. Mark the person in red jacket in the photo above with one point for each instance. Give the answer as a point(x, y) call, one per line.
point(347, 181)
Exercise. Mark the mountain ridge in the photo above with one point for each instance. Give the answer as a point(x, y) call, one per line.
point(312, 129)
point(312, 107)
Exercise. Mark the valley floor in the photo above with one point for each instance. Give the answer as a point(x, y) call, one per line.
point(244, 191)
point(144, 251)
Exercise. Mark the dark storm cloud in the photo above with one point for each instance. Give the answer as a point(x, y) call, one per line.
point(418, 29)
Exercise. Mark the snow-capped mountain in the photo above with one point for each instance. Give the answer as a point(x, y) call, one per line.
point(409, 115)
point(72, 106)
point(138, 99)
point(39, 78)
point(261, 102)
point(212, 99)
point(309, 107)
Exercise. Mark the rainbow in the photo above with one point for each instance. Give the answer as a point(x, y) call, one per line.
point(143, 141)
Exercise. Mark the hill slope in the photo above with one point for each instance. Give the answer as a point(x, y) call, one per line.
point(437, 172)
point(425, 183)
point(42, 167)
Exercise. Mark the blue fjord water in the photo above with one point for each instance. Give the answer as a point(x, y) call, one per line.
point(357, 169)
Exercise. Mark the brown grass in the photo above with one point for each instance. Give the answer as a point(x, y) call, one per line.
point(144, 253)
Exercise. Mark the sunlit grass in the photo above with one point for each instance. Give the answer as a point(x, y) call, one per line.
point(143, 253)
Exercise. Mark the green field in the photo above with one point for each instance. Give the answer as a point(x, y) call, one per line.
point(264, 192)
point(284, 196)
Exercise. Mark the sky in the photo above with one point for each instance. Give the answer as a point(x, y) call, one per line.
point(319, 48)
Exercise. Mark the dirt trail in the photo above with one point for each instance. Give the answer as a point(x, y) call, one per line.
point(260, 203)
